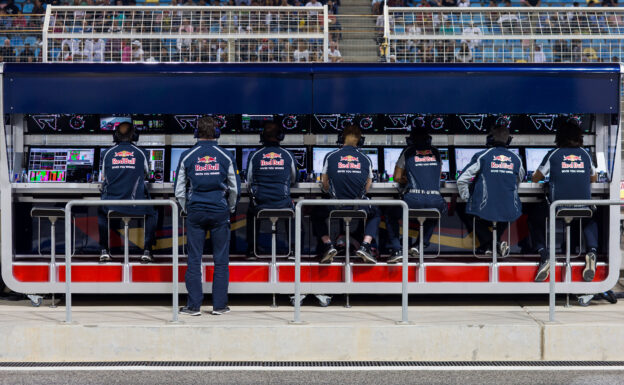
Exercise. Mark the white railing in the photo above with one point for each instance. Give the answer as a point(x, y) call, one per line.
point(185, 34)
point(500, 34)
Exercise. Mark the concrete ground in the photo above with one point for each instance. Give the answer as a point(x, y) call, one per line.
point(475, 328)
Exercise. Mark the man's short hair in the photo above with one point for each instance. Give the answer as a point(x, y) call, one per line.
point(206, 127)
point(352, 130)
point(270, 132)
point(125, 131)
point(500, 133)
point(569, 134)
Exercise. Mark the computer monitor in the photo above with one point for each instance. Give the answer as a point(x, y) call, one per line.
point(156, 161)
point(245, 156)
point(463, 156)
point(173, 163)
point(534, 157)
point(318, 156)
point(254, 123)
point(232, 150)
point(109, 123)
point(149, 122)
point(300, 156)
point(60, 165)
point(373, 154)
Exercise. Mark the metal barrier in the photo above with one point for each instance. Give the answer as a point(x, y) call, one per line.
point(551, 241)
point(158, 202)
point(348, 202)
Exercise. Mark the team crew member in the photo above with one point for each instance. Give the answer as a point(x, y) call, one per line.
point(418, 170)
point(271, 171)
point(124, 168)
point(347, 174)
point(207, 187)
point(571, 171)
point(489, 184)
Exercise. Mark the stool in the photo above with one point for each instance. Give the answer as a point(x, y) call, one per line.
point(126, 220)
point(422, 215)
point(274, 215)
point(53, 214)
point(347, 216)
point(494, 269)
point(568, 215)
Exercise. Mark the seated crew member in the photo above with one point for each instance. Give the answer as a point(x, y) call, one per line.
point(489, 184)
point(271, 171)
point(347, 174)
point(207, 187)
point(124, 168)
point(418, 170)
point(570, 171)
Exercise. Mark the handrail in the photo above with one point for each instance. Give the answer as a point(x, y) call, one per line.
point(348, 202)
point(551, 240)
point(142, 202)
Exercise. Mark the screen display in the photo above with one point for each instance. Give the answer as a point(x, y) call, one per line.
point(402, 123)
point(373, 154)
point(300, 156)
point(463, 156)
point(109, 123)
point(534, 157)
point(246, 152)
point(335, 123)
point(254, 123)
point(63, 123)
point(152, 123)
point(187, 123)
point(60, 165)
point(318, 156)
point(156, 162)
point(173, 164)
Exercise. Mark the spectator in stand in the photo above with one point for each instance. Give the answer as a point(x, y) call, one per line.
point(376, 6)
point(301, 54)
point(126, 51)
point(531, 3)
point(185, 44)
point(137, 51)
point(464, 55)
point(242, 2)
point(10, 8)
point(94, 50)
point(38, 8)
point(7, 53)
point(19, 21)
point(333, 54)
point(472, 30)
point(27, 55)
point(448, 3)
point(28, 6)
point(538, 55)
point(464, 3)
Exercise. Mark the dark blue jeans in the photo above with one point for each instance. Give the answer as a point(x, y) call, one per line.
point(199, 222)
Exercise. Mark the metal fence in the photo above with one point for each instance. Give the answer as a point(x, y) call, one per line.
point(20, 38)
point(503, 34)
point(185, 34)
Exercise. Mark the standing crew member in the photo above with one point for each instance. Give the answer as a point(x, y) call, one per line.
point(489, 184)
point(347, 174)
point(271, 171)
point(124, 168)
point(571, 171)
point(418, 169)
point(207, 187)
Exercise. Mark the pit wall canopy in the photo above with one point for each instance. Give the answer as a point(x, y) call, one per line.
point(310, 88)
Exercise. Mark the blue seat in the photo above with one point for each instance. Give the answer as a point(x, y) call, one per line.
point(27, 8)
point(17, 41)
point(30, 40)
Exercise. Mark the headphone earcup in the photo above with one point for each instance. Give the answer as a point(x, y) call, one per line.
point(509, 140)
point(217, 132)
point(361, 141)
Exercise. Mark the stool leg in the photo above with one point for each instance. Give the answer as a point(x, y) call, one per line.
point(53, 257)
point(421, 261)
point(568, 269)
point(494, 256)
point(273, 256)
point(126, 270)
point(347, 259)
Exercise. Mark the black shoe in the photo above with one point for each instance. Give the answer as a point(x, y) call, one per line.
point(188, 311)
point(543, 271)
point(147, 257)
point(365, 253)
point(590, 266)
point(395, 256)
point(329, 252)
point(105, 256)
point(609, 296)
point(225, 310)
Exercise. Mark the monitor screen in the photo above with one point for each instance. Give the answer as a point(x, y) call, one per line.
point(109, 123)
point(187, 123)
point(534, 157)
point(318, 156)
point(373, 154)
point(173, 164)
point(60, 165)
point(152, 123)
point(254, 123)
point(463, 156)
point(64, 123)
point(300, 156)
point(246, 152)
point(232, 150)
point(156, 161)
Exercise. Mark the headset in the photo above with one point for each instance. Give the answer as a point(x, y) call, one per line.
point(135, 133)
point(574, 119)
point(341, 140)
point(281, 134)
point(410, 140)
point(217, 129)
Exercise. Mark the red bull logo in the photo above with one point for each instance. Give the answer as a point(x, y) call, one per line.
point(572, 162)
point(423, 152)
point(126, 157)
point(502, 162)
point(424, 156)
point(351, 162)
point(205, 163)
point(271, 159)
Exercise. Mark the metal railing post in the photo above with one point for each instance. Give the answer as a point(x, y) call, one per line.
point(347, 202)
point(325, 34)
point(88, 203)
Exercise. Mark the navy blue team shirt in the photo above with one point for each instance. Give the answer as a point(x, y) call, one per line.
point(569, 170)
point(271, 171)
point(348, 170)
point(207, 179)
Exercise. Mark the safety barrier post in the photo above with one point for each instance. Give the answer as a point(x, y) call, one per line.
point(347, 202)
point(143, 202)
point(551, 241)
